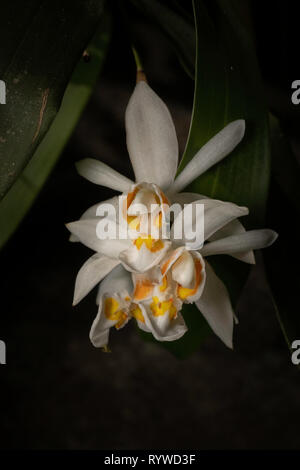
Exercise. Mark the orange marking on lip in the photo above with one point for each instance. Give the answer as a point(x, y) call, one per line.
point(164, 284)
point(113, 313)
point(126, 203)
point(168, 262)
point(160, 308)
point(184, 292)
point(131, 196)
point(137, 313)
point(142, 289)
point(151, 244)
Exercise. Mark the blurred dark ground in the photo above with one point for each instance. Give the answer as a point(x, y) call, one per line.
point(57, 391)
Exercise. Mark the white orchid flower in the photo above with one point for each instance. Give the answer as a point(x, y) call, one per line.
point(153, 150)
point(118, 299)
point(149, 278)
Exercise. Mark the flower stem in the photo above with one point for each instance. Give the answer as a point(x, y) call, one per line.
point(140, 74)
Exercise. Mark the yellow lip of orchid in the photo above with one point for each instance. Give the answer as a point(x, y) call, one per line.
point(113, 312)
point(150, 243)
point(159, 308)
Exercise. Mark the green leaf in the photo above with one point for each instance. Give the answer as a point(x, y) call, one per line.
point(41, 44)
point(20, 197)
point(228, 87)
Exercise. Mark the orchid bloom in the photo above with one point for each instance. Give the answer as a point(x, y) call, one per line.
point(149, 278)
point(153, 150)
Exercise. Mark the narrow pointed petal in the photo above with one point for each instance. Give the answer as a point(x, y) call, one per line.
point(251, 240)
point(211, 153)
point(186, 198)
point(235, 227)
point(91, 273)
point(86, 231)
point(151, 137)
point(99, 173)
point(216, 215)
point(215, 306)
point(91, 212)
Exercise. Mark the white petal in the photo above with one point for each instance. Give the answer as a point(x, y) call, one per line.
point(144, 199)
point(235, 227)
point(183, 270)
point(162, 327)
point(211, 153)
point(215, 306)
point(186, 198)
point(190, 295)
point(92, 272)
point(116, 284)
point(118, 280)
point(85, 230)
point(99, 332)
point(91, 212)
point(101, 325)
point(143, 259)
point(144, 283)
point(99, 173)
point(151, 137)
point(216, 215)
point(251, 240)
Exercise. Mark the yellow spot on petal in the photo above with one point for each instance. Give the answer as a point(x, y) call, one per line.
point(150, 243)
point(111, 307)
point(137, 313)
point(160, 308)
point(113, 312)
point(185, 292)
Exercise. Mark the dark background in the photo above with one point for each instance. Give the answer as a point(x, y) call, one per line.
point(57, 391)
